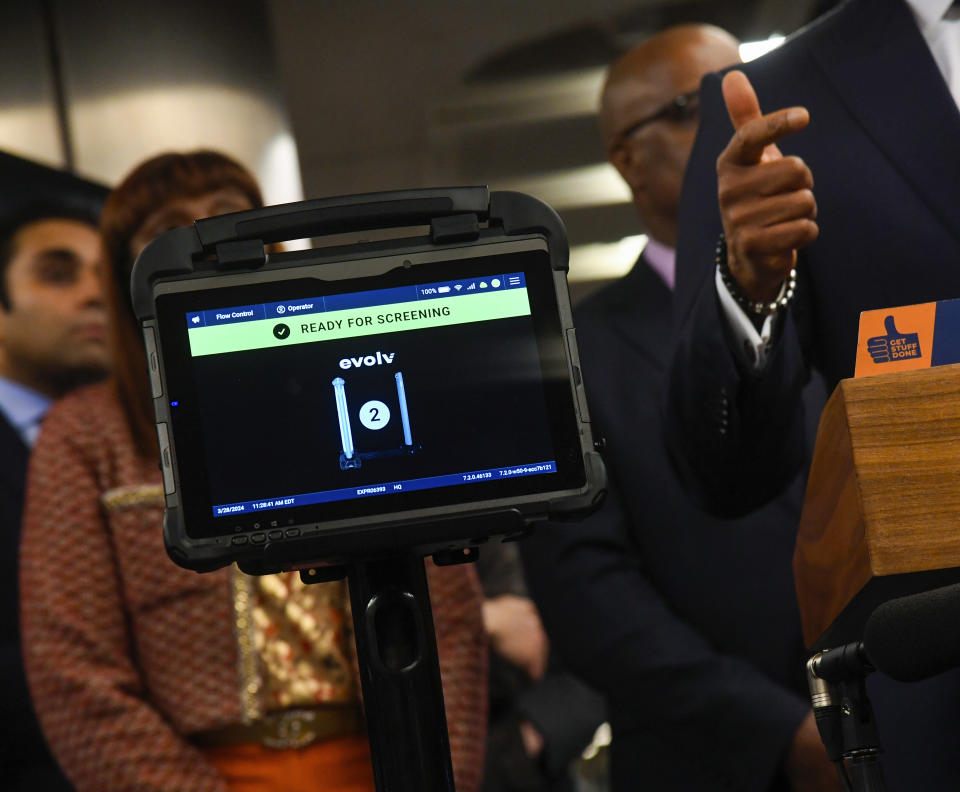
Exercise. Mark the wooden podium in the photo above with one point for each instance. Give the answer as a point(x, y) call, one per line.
point(882, 512)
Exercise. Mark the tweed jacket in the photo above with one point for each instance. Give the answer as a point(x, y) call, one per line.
point(127, 653)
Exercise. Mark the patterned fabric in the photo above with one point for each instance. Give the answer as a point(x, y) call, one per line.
point(127, 653)
point(301, 638)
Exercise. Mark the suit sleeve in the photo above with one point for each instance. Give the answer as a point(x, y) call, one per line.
point(659, 675)
point(737, 436)
point(86, 686)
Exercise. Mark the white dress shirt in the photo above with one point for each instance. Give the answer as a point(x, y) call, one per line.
point(940, 27)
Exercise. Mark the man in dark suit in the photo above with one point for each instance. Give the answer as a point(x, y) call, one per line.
point(689, 625)
point(864, 101)
point(882, 146)
point(52, 338)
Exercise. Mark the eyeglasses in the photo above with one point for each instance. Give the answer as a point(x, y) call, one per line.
point(678, 110)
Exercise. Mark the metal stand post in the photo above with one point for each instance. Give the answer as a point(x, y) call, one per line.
point(399, 672)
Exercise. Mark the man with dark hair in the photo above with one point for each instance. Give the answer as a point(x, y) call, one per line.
point(53, 337)
point(693, 637)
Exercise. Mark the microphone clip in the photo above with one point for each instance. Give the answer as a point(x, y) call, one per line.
point(844, 715)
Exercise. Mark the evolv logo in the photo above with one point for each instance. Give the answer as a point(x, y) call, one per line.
point(369, 360)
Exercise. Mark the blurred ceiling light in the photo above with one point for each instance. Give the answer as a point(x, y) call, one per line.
point(750, 50)
point(279, 169)
point(529, 100)
point(603, 260)
point(31, 131)
point(572, 188)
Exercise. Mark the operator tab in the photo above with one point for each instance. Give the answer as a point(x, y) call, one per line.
point(309, 305)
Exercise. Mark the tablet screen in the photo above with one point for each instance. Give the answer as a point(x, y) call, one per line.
point(326, 400)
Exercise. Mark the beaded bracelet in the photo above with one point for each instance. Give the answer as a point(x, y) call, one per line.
point(753, 307)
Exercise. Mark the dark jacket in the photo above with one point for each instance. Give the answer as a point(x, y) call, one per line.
point(884, 147)
point(687, 623)
point(25, 760)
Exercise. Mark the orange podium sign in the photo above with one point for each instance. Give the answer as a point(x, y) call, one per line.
point(909, 337)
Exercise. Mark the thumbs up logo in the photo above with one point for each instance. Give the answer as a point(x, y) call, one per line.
point(883, 349)
point(894, 345)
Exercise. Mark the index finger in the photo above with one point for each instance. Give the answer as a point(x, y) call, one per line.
point(755, 130)
point(752, 137)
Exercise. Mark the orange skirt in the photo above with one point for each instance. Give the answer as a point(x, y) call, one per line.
point(341, 764)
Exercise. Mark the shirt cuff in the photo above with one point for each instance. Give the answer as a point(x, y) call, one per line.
point(751, 345)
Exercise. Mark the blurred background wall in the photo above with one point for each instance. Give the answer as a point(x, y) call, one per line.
point(341, 96)
point(95, 86)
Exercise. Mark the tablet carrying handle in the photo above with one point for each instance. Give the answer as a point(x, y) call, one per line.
point(343, 214)
point(237, 240)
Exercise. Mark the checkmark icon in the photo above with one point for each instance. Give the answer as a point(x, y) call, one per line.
point(281, 331)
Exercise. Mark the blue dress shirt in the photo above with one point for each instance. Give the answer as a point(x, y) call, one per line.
point(24, 408)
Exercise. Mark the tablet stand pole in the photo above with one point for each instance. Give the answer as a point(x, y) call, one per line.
point(860, 737)
point(399, 671)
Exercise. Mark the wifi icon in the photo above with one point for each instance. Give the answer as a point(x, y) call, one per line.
point(458, 286)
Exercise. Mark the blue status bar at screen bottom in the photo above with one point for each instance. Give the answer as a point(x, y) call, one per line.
point(390, 488)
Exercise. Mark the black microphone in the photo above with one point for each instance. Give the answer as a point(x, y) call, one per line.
point(847, 662)
point(915, 637)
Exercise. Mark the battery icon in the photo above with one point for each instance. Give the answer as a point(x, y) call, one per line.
point(443, 289)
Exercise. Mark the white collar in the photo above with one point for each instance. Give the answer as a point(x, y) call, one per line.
point(929, 12)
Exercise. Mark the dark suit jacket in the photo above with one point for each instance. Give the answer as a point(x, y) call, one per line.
point(25, 761)
point(884, 148)
point(687, 623)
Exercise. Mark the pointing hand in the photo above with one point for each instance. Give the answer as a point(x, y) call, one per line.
point(766, 200)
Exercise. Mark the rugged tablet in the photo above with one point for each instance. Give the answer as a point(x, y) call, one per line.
point(417, 393)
